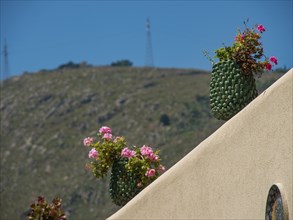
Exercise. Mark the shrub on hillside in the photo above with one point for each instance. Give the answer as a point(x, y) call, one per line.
point(122, 63)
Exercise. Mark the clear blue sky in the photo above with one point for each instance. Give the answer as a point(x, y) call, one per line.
point(46, 34)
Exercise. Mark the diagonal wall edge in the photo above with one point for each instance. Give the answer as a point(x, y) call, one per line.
point(228, 175)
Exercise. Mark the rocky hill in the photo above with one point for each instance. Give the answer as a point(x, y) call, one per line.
point(46, 115)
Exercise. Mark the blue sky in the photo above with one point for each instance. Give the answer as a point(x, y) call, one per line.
point(46, 34)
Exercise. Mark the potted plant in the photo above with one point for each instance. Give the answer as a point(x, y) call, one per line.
point(132, 168)
point(232, 84)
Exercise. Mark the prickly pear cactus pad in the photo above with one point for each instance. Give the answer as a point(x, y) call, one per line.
point(230, 90)
point(123, 184)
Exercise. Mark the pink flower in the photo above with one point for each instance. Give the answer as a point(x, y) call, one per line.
point(88, 141)
point(127, 153)
point(107, 136)
point(145, 150)
point(268, 66)
point(150, 172)
point(93, 153)
point(161, 169)
point(274, 60)
point(105, 130)
point(153, 156)
point(148, 152)
point(261, 28)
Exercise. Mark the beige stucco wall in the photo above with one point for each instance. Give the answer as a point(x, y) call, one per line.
point(228, 175)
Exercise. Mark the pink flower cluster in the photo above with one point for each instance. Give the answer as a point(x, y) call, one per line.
point(261, 28)
point(148, 152)
point(127, 153)
point(93, 153)
point(88, 141)
point(268, 66)
point(150, 173)
point(273, 60)
point(145, 161)
point(106, 132)
point(107, 136)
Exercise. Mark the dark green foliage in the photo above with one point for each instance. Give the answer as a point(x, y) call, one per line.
point(230, 90)
point(123, 184)
point(122, 63)
point(165, 120)
point(72, 65)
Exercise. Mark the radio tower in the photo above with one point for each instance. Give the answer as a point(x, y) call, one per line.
point(5, 70)
point(148, 51)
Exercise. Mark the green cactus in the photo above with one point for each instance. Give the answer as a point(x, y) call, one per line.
point(230, 89)
point(124, 185)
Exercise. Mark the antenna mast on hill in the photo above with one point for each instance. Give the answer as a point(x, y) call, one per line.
point(148, 52)
point(5, 70)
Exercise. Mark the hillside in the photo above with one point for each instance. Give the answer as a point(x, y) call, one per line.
point(46, 115)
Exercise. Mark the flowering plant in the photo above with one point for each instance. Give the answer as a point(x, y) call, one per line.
point(42, 210)
point(144, 161)
point(247, 51)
